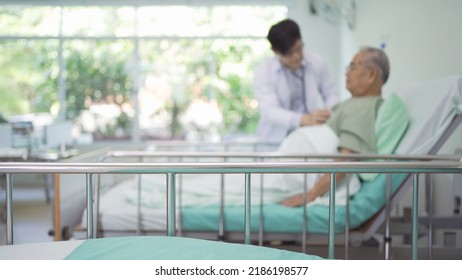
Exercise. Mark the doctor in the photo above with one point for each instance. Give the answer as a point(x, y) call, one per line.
point(293, 88)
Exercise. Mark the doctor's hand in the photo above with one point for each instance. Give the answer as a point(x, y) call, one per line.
point(298, 200)
point(319, 116)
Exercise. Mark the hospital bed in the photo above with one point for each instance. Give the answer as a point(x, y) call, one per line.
point(172, 169)
point(433, 120)
point(118, 248)
point(145, 248)
point(124, 248)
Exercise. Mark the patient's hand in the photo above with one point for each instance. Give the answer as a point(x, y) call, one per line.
point(298, 200)
point(319, 116)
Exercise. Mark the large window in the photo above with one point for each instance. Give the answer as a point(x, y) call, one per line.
point(149, 72)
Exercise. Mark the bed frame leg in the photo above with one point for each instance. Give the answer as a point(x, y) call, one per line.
point(332, 216)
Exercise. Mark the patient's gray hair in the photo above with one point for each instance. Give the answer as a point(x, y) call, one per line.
point(379, 59)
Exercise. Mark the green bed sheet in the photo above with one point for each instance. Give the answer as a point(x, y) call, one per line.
point(280, 219)
point(176, 248)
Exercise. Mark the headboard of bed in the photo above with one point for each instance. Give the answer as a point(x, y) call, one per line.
point(432, 106)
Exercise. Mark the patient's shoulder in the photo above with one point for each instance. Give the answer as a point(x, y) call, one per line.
point(359, 104)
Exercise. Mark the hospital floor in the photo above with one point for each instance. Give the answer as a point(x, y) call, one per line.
point(33, 220)
point(32, 216)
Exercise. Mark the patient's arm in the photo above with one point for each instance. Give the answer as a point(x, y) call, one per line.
point(321, 187)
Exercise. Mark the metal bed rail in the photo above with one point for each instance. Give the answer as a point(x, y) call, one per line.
point(252, 145)
point(172, 169)
point(272, 155)
point(257, 157)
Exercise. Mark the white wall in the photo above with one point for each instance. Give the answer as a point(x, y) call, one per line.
point(318, 34)
point(424, 37)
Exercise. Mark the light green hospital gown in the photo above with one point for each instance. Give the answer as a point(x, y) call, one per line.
point(354, 123)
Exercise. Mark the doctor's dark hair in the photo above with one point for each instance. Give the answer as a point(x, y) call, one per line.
point(378, 59)
point(283, 35)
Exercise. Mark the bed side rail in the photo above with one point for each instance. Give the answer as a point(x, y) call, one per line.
point(172, 169)
point(371, 226)
point(364, 232)
point(249, 145)
point(165, 155)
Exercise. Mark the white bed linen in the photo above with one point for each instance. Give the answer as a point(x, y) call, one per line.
point(431, 106)
point(118, 215)
point(203, 189)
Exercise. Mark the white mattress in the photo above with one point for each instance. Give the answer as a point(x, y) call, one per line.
point(39, 251)
point(118, 215)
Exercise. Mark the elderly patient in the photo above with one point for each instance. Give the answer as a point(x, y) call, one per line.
point(353, 121)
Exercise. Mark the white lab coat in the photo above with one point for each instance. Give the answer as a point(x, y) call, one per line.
point(273, 95)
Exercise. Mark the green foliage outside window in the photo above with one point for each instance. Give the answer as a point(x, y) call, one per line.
point(104, 71)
